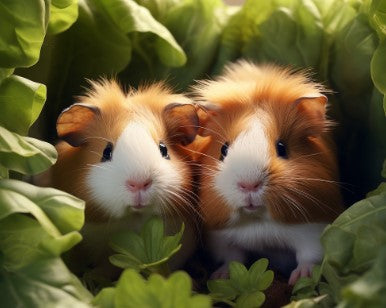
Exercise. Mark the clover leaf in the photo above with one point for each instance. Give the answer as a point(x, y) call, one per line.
point(147, 251)
point(132, 290)
point(244, 287)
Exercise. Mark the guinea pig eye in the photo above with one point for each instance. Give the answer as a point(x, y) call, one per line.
point(224, 150)
point(281, 149)
point(164, 150)
point(107, 152)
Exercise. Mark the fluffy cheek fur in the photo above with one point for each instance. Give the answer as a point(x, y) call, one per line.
point(304, 188)
point(247, 162)
point(136, 157)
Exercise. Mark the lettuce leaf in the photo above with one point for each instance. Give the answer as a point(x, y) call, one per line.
point(21, 38)
point(62, 15)
point(22, 101)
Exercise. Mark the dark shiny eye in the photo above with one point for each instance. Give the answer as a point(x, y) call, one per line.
point(107, 152)
point(164, 150)
point(281, 149)
point(224, 150)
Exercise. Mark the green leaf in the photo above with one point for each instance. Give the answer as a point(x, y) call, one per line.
point(25, 154)
point(105, 298)
point(64, 210)
point(250, 300)
point(148, 250)
point(5, 72)
point(243, 285)
point(133, 290)
point(62, 15)
point(24, 241)
point(131, 17)
point(222, 289)
point(265, 280)
point(191, 35)
point(14, 202)
point(152, 235)
point(45, 282)
point(22, 25)
point(238, 275)
point(259, 277)
point(377, 62)
point(125, 261)
point(308, 303)
point(21, 100)
point(370, 289)
point(49, 231)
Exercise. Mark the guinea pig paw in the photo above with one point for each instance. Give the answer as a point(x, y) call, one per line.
point(221, 273)
point(303, 270)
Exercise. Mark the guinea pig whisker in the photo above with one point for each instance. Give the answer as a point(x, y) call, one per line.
point(208, 129)
point(198, 152)
point(307, 155)
point(96, 153)
point(188, 206)
point(189, 194)
point(207, 169)
point(182, 196)
point(309, 197)
point(342, 185)
point(96, 166)
point(318, 179)
point(97, 137)
point(171, 208)
point(322, 205)
point(296, 206)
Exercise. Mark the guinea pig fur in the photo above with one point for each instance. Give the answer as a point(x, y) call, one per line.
point(122, 154)
point(269, 175)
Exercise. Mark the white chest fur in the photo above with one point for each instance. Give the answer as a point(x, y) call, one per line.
point(304, 239)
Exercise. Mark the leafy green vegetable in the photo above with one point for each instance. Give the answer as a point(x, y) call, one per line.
point(244, 286)
point(62, 15)
point(378, 21)
point(147, 251)
point(30, 246)
point(352, 244)
point(25, 154)
point(21, 38)
point(46, 282)
point(51, 231)
point(370, 289)
point(21, 100)
point(133, 290)
point(131, 17)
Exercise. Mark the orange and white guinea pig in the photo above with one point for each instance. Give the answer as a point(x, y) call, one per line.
point(269, 175)
point(123, 154)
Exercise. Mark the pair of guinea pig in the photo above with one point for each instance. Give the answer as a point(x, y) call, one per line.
point(256, 138)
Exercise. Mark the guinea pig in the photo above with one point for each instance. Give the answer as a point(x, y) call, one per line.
point(269, 174)
point(122, 154)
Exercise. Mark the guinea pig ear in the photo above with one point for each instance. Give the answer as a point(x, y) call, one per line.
point(73, 121)
point(205, 112)
point(181, 122)
point(313, 109)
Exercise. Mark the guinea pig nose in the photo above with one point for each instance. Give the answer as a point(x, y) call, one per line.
point(249, 186)
point(135, 186)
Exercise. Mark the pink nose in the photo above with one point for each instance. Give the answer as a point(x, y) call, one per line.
point(249, 186)
point(135, 186)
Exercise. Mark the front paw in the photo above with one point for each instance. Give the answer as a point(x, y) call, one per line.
point(303, 270)
point(221, 273)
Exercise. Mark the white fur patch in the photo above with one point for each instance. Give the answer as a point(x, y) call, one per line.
point(136, 156)
point(304, 239)
point(247, 161)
